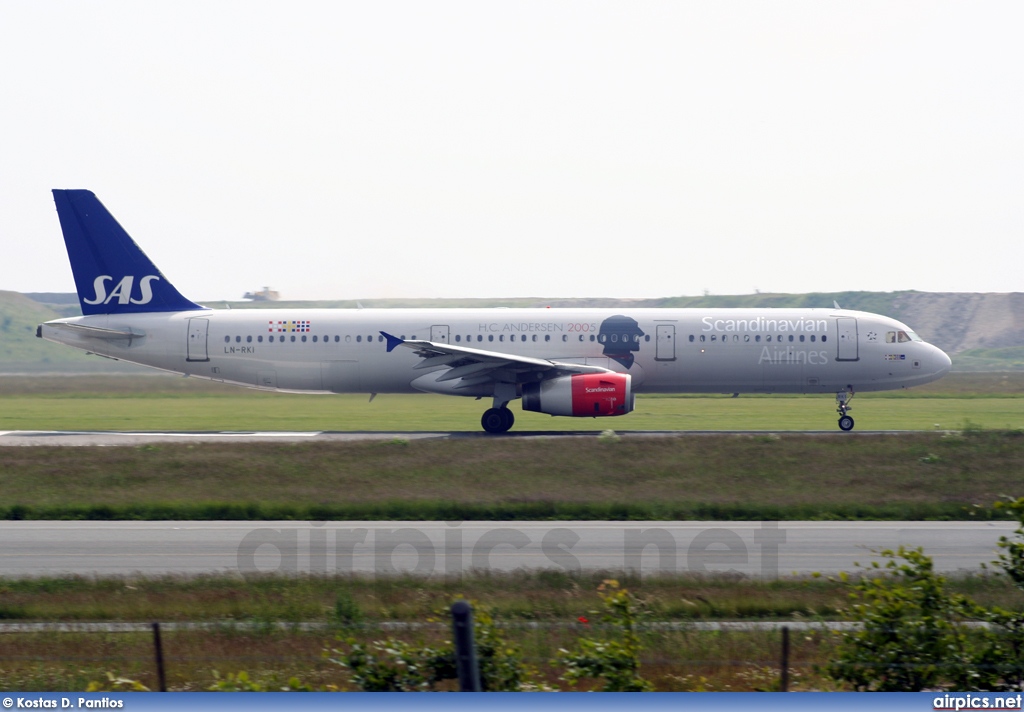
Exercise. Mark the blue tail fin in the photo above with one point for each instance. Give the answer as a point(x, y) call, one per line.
point(112, 274)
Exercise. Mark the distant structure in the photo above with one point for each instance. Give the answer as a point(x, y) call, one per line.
point(264, 295)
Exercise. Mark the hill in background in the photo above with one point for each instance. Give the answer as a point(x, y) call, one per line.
point(980, 331)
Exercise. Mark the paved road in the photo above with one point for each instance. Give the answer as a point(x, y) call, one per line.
point(35, 548)
point(12, 438)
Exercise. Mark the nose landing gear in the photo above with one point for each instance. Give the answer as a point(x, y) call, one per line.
point(843, 399)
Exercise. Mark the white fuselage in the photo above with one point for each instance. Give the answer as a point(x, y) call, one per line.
point(668, 350)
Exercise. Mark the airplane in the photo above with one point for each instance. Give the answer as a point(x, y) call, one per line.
point(565, 362)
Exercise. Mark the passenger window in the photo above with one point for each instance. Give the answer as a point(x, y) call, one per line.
point(547, 337)
point(458, 338)
point(791, 338)
point(337, 338)
point(691, 338)
point(227, 339)
point(565, 337)
point(303, 338)
point(757, 338)
point(812, 338)
point(259, 339)
point(490, 337)
point(359, 339)
point(824, 338)
point(702, 338)
point(801, 338)
point(591, 337)
point(293, 339)
point(501, 337)
point(714, 337)
point(238, 339)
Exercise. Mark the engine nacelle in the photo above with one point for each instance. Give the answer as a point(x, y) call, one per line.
point(581, 395)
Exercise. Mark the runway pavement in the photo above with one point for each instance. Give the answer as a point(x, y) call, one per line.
point(35, 548)
point(13, 438)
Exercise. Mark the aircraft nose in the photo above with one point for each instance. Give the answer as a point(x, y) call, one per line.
point(942, 362)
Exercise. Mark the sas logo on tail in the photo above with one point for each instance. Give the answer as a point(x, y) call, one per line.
point(122, 291)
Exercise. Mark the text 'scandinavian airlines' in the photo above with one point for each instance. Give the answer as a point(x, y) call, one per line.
point(571, 362)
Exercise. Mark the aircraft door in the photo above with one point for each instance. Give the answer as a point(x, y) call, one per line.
point(439, 334)
point(665, 343)
point(847, 341)
point(197, 333)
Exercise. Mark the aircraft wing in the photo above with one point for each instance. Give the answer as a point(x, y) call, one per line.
point(473, 367)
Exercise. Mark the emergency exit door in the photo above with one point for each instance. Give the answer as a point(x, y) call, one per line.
point(665, 343)
point(846, 343)
point(197, 333)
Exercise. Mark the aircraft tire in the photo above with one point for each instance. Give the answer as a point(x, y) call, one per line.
point(495, 421)
point(846, 423)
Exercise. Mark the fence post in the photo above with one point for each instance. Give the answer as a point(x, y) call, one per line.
point(161, 678)
point(465, 647)
point(784, 682)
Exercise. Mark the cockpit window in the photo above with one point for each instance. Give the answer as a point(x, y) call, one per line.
point(892, 337)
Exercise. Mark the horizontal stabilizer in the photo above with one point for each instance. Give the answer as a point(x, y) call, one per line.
point(97, 332)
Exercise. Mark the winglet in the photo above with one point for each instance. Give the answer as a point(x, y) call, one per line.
point(836, 304)
point(393, 341)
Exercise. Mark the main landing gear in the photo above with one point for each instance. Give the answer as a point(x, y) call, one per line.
point(843, 399)
point(497, 420)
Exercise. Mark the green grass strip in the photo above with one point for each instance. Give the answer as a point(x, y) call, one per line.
point(530, 511)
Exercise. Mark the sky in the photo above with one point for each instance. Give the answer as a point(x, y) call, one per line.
point(347, 150)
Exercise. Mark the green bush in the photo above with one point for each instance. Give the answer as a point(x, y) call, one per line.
point(615, 659)
point(915, 635)
point(395, 666)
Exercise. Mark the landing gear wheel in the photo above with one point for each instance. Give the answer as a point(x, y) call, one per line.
point(509, 419)
point(497, 420)
point(846, 423)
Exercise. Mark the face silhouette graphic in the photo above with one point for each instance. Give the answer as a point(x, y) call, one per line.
point(621, 337)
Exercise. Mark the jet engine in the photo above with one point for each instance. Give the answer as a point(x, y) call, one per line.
point(581, 395)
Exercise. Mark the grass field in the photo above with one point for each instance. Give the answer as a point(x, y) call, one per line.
point(164, 403)
point(928, 474)
point(913, 476)
point(931, 474)
point(681, 660)
point(540, 612)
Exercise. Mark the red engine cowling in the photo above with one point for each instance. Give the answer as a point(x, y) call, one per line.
point(581, 395)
